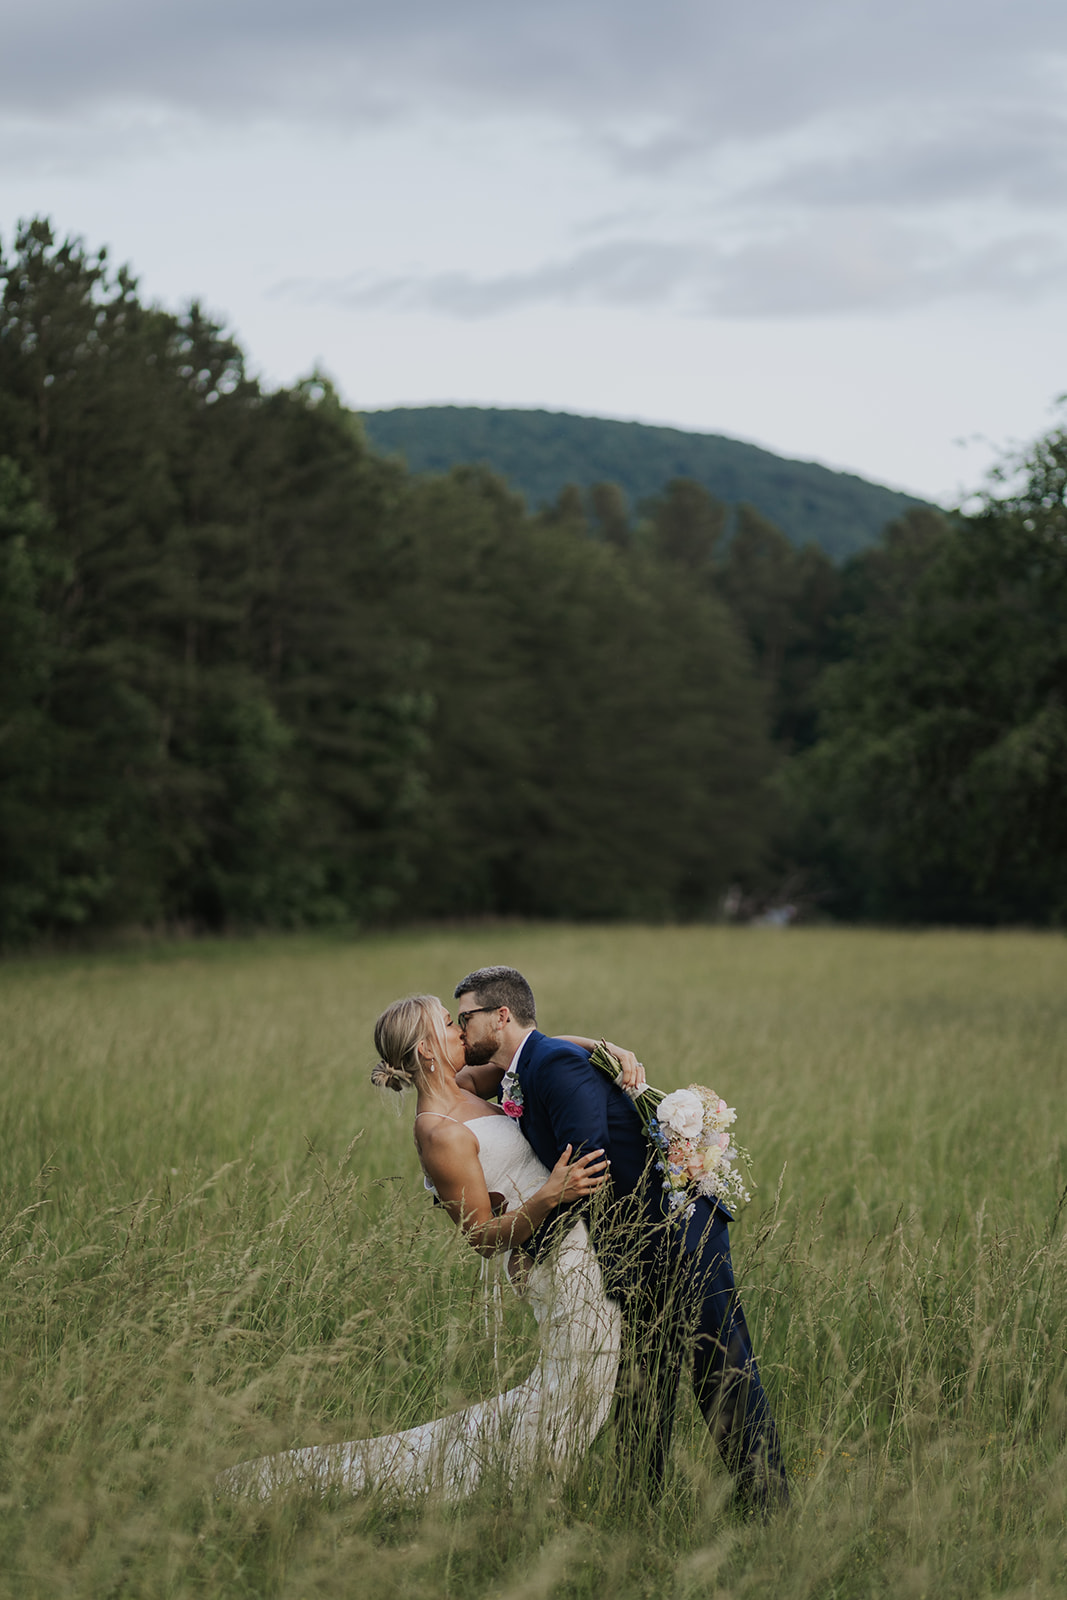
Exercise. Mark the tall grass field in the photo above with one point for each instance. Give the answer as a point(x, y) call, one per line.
point(214, 1243)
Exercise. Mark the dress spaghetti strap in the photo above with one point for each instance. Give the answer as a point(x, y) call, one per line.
point(443, 1114)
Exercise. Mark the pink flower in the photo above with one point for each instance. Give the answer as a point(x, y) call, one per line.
point(721, 1107)
point(511, 1108)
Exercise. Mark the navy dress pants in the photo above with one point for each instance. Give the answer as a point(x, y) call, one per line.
point(684, 1305)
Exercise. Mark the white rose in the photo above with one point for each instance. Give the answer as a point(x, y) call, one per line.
point(681, 1113)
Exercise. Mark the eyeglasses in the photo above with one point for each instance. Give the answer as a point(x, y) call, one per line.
point(463, 1017)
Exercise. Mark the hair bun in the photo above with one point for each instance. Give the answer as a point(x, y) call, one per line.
point(385, 1076)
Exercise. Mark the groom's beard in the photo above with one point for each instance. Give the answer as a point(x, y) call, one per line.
point(478, 1055)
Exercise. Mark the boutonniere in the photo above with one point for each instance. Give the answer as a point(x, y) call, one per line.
point(511, 1094)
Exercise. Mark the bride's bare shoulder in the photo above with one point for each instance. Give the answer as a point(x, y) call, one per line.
point(434, 1130)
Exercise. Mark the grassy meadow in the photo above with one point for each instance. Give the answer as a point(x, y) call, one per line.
point(214, 1243)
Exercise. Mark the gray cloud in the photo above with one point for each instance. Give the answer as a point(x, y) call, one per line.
point(829, 140)
point(629, 272)
point(1018, 156)
point(870, 263)
point(704, 65)
point(854, 265)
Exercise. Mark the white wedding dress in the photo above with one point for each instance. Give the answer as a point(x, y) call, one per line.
point(543, 1425)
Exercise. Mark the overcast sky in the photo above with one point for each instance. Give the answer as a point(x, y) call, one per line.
point(836, 228)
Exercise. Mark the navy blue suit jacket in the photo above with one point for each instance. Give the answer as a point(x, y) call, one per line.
point(566, 1100)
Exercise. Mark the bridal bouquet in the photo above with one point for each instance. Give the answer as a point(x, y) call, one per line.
point(690, 1131)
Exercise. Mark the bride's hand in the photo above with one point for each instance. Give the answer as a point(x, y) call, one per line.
point(633, 1072)
point(573, 1180)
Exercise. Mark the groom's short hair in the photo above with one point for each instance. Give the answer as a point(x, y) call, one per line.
point(500, 986)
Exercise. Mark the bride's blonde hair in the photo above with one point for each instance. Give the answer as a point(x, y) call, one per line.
point(399, 1031)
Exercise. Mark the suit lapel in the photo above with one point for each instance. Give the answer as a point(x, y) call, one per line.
point(526, 1050)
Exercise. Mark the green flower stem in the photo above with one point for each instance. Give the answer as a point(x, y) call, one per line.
point(647, 1102)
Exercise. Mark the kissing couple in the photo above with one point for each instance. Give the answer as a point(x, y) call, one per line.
point(626, 1289)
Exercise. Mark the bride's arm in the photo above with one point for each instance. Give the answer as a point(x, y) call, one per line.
point(485, 1080)
point(450, 1159)
point(633, 1073)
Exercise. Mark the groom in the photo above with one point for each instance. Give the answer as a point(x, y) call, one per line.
point(672, 1276)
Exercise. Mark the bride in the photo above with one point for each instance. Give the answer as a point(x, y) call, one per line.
point(495, 1189)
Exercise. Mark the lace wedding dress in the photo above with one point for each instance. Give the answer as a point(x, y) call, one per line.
point(542, 1425)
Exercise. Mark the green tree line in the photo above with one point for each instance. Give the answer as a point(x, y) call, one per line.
point(254, 673)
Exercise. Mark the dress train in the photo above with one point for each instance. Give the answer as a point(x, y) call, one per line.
point(543, 1425)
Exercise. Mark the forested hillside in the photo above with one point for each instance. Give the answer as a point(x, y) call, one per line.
point(540, 452)
point(254, 673)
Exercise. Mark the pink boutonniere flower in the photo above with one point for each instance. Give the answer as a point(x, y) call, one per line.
point(511, 1095)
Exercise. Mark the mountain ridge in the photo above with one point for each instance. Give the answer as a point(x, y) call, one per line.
point(540, 451)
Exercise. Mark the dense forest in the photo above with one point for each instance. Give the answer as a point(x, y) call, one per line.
point(541, 452)
point(253, 672)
